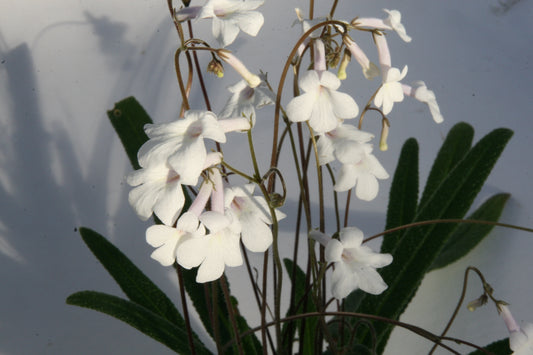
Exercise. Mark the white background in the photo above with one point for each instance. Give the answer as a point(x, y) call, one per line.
point(64, 63)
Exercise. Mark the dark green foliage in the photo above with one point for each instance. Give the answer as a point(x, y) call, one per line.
point(456, 179)
point(467, 236)
point(500, 347)
point(403, 195)
point(139, 317)
point(128, 118)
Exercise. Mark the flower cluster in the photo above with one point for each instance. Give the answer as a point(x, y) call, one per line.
point(325, 108)
point(209, 233)
point(175, 156)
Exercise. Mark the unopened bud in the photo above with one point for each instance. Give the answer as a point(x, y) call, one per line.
point(341, 74)
point(215, 67)
point(478, 302)
point(251, 79)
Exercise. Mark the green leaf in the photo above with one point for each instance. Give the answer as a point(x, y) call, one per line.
point(128, 118)
point(500, 347)
point(403, 195)
point(420, 246)
point(300, 306)
point(467, 235)
point(137, 287)
point(139, 317)
point(457, 144)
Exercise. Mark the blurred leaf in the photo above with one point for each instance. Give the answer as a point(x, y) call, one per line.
point(455, 146)
point(403, 195)
point(419, 247)
point(128, 118)
point(137, 287)
point(500, 347)
point(139, 317)
point(467, 235)
point(300, 305)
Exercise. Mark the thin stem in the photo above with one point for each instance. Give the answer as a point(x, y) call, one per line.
point(281, 84)
point(185, 308)
point(256, 293)
point(460, 302)
point(452, 220)
point(417, 330)
point(264, 303)
point(231, 312)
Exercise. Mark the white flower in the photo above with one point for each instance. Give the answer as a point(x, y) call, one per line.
point(181, 143)
point(341, 143)
point(355, 264)
point(520, 338)
point(393, 22)
point(245, 99)
point(254, 216)
point(213, 251)
point(321, 104)
point(158, 190)
point(423, 94)
point(361, 169)
point(232, 16)
point(166, 239)
point(391, 90)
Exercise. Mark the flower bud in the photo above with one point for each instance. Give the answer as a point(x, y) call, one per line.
point(252, 79)
point(215, 67)
point(341, 74)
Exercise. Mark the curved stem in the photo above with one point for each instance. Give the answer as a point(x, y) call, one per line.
point(452, 220)
point(417, 330)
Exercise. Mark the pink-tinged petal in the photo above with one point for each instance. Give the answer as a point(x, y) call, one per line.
point(231, 250)
point(164, 255)
point(367, 187)
point(349, 151)
point(322, 118)
point(333, 251)
point(344, 281)
point(158, 235)
point(375, 167)
point(249, 22)
point(344, 106)
point(211, 269)
point(225, 32)
point(235, 124)
point(189, 161)
point(351, 237)
point(192, 251)
point(165, 239)
point(188, 13)
point(347, 178)
point(310, 81)
point(142, 199)
point(170, 203)
point(157, 150)
point(214, 221)
point(300, 108)
point(325, 150)
point(256, 235)
point(320, 237)
point(188, 222)
point(370, 281)
point(249, 5)
point(211, 128)
point(329, 80)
